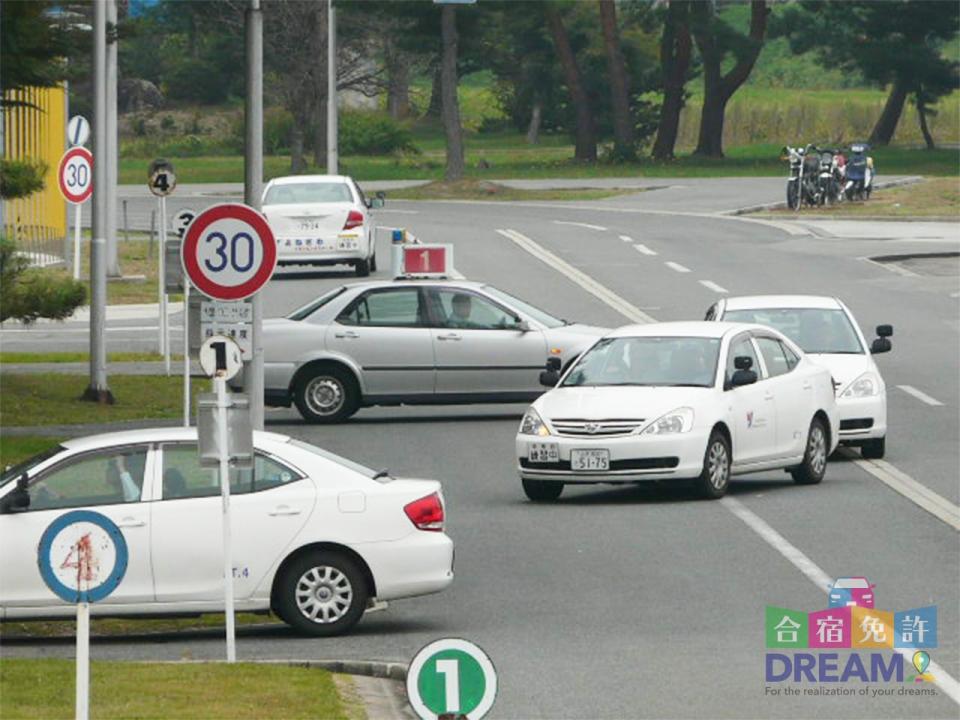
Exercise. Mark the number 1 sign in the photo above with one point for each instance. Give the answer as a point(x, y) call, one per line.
point(427, 260)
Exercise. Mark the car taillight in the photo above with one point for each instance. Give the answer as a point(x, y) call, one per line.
point(426, 513)
point(354, 219)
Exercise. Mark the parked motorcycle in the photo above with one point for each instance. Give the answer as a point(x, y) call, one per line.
point(802, 183)
point(860, 173)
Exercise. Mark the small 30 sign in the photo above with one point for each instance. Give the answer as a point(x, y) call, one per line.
point(75, 175)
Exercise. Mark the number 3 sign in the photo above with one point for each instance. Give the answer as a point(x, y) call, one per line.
point(229, 252)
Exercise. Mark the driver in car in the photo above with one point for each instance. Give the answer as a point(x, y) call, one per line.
point(462, 306)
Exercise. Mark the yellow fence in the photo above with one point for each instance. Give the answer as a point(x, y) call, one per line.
point(37, 131)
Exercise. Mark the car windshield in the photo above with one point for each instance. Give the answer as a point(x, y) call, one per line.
point(544, 318)
point(815, 330)
point(651, 361)
point(850, 583)
point(308, 192)
point(311, 307)
point(15, 471)
point(350, 464)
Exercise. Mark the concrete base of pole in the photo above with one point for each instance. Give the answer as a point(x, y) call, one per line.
point(101, 397)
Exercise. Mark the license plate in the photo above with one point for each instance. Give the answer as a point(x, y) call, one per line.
point(308, 225)
point(586, 460)
point(543, 452)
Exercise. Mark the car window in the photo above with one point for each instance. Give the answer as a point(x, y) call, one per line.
point(542, 317)
point(711, 313)
point(391, 308)
point(792, 358)
point(311, 307)
point(15, 471)
point(774, 357)
point(100, 478)
point(183, 476)
point(815, 330)
point(465, 310)
point(308, 192)
point(742, 347)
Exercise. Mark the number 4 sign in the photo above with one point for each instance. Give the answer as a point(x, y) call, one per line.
point(451, 677)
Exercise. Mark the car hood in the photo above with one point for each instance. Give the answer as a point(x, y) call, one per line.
point(618, 402)
point(844, 368)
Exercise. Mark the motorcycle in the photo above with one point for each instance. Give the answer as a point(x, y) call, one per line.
point(860, 173)
point(802, 181)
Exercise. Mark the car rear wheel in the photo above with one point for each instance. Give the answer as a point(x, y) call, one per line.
point(542, 490)
point(874, 449)
point(363, 267)
point(326, 394)
point(323, 593)
point(715, 477)
point(814, 465)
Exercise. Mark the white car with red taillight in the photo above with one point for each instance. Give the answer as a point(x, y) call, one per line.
point(316, 538)
point(322, 220)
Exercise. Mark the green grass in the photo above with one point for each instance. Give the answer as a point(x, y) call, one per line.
point(936, 197)
point(69, 357)
point(45, 689)
point(14, 449)
point(107, 627)
point(54, 399)
point(481, 190)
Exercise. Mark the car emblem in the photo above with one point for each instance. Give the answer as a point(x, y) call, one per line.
point(592, 428)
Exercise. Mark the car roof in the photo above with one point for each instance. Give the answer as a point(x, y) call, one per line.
point(291, 179)
point(474, 284)
point(149, 435)
point(699, 328)
point(757, 302)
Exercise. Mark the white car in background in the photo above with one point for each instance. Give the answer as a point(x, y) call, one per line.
point(686, 400)
point(322, 220)
point(829, 334)
point(316, 538)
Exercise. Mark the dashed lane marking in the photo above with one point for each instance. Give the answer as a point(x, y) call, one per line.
point(921, 396)
point(676, 266)
point(579, 224)
point(710, 285)
point(641, 248)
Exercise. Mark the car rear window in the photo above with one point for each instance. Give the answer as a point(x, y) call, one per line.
point(815, 330)
point(308, 192)
point(379, 476)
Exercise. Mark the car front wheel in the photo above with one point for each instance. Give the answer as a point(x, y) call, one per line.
point(542, 490)
point(814, 465)
point(326, 395)
point(323, 593)
point(715, 477)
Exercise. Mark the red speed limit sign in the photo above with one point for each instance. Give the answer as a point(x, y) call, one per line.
point(75, 175)
point(229, 252)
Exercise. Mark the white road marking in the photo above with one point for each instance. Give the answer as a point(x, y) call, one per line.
point(891, 267)
point(710, 285)
point(579, 224)
point(397, 210)
point(580, 278)
point(626, 238)
point(676, 266)
point(947, 684)
point(641, 248)
point(921, 396)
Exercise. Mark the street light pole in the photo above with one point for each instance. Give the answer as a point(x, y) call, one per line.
point(333, 160)
point(110, 151)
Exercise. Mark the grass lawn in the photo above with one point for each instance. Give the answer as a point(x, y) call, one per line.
point(45, 689)
point(935, 197)
point(15, 449)
point(54, 399)
point(483, 190)
point(69, 357)
point(128, 626)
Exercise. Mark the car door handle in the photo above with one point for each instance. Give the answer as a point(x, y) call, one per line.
point(768, 396)
point(349, 334)
point(284, 510)
point(451, 336)
point(129, 522)
point(808, 386)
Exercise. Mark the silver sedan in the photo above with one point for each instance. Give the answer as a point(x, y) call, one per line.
point(413, 342)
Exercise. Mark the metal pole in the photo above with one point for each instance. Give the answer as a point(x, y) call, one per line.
point(83, 661)
point(126, 225)
point(222, 403)
point(333, 160)
point(76, 242)
point(186, 352)
point(161, 278)
point(252, 191)
point(98, 389)
point(110, 156)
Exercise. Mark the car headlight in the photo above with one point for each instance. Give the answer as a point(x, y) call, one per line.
point(675, 421)
point(867, 385)
point(532, 424)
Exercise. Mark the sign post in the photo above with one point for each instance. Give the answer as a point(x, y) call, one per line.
point(75, 176)
point(451, 678)
point(82, 558)
point(161, 180)
point(181, 222)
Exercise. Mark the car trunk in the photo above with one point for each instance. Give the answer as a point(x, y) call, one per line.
point(324, 220)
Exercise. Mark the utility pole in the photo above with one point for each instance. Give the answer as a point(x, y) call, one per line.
point(253, 190)
point(333, 160)
point(110, 151)
point(98, 391)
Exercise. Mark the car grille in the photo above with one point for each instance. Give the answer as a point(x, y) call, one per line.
point(856, 424)
point(656, 463)
point(595, 428)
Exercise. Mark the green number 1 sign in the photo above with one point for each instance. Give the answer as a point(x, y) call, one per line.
point(453, 678)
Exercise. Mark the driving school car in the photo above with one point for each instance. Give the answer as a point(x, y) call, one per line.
point(695, 400)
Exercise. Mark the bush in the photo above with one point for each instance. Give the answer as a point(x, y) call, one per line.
point(373, 133)
point(19, 178)
point(196, 81)
point(29, 293)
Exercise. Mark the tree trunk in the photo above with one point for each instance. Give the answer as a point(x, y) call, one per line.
point(320, 133)
point(298, 162)
point(451, 104)
point(675, 47)
point(398, 82)
point(586, 135)
point(922, 117)
point(887, 123)
point(435, 108)
point(533, 129)
point(624, 146)
point(319, 83)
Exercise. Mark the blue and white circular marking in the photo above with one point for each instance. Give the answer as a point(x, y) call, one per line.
point(104, 549)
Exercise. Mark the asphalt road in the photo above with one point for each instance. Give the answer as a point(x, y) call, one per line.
point(642, 602)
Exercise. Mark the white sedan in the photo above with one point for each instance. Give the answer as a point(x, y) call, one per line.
point(317, 538)
point(322, 220)
point(829, 334)
point(690, 400)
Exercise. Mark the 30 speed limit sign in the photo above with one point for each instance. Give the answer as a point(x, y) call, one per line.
point(451, 677)
point(229, 251)
point(75, 175)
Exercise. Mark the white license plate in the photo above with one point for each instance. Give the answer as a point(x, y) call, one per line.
point(586, 460)
point(543, 452)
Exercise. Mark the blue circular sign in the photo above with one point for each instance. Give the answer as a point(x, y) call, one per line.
point(82, 556)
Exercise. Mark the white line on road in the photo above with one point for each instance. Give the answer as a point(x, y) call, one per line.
point(676, 266)
point(921, 396)
point(626, 238)
point(397, 210)
point(710, 285)
point(818, 577)
point(579, 224)
point(641, 248)
point(580, 278)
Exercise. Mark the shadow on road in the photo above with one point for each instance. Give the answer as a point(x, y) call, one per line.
point(497, 417)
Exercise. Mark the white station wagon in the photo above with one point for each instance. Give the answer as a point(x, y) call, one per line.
point(695, 401)
point(316, 538)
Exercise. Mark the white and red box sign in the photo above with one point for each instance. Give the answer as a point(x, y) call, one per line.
point(75, 175)
point(427, 260)
point(229, 251)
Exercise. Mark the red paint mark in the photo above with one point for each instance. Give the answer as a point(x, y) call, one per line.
point(86, 563)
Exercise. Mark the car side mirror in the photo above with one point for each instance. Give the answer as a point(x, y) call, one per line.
point(743, 377)
point(880, 345)
point(885, 331)
point(522, 325)
point(376, 203)
point(17, 500)
point(549, 378)
point(743, 362)
point(553, 363)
